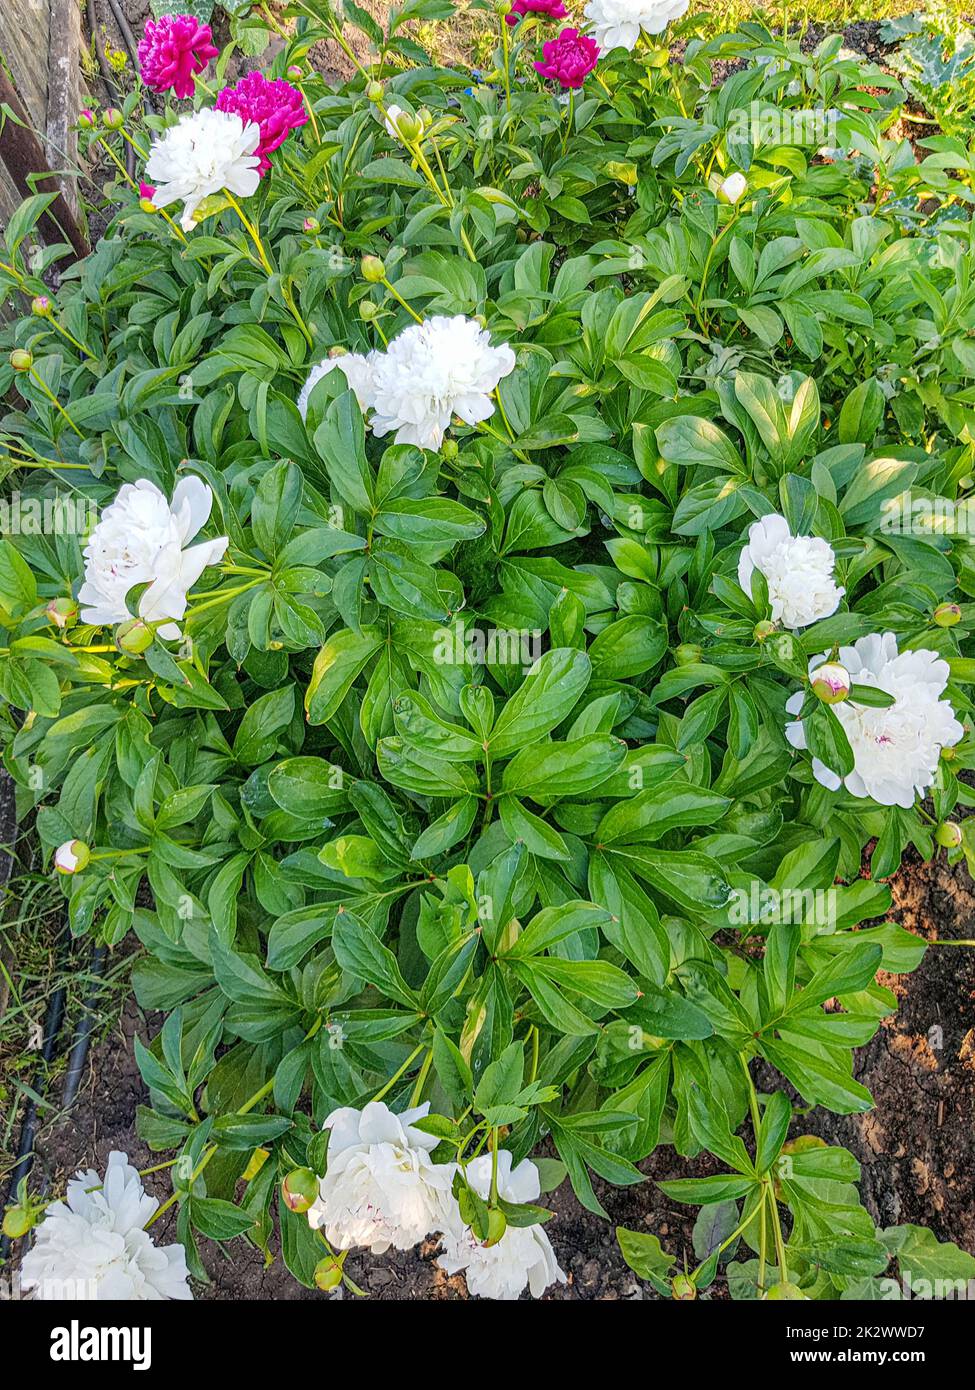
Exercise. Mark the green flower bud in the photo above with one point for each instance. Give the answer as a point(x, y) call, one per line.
point(683, 1288)
point(831, 683)
point(374, 91)
point(17, 1221)
point(948, 834)
point(133, 637)
point(299, 1189)
point(295, 73)
point(328, 1273)
point(147, 205)
point(449, 450)
point(86, 120)
point(788, 1291)
point(763, 630)
point(372, 269)
point(41, 306)
point(947, 614)
point(113, 118)
point(688, 653)
point(503, 7)
point(21, 360)
point(312, 226)
point(497, 1225)
point(368, 311)
point(62, 612)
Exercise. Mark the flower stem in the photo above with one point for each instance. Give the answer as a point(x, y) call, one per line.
point(399, 1072)
point(39, 381)
point(400, 300)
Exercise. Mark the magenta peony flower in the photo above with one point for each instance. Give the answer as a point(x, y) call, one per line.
point(277, 107)
point(146, 190)
point(568, 58)
point(545, 9)
point(172, 49)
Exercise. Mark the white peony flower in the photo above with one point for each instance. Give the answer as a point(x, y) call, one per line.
point(797, 569)
point(93, 1246)
point(733, 188)
point(140, 539)
point(205, 152)
point(896, 749)
point(381, 1188)
point(617, 23)
point(432, 371)
point(357, 369)
point(522, 1257)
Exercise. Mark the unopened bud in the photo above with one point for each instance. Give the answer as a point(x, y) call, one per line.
point(86, 119)
point(947, 614)
point(299, 1189)
point(790, 1292)
point(328, 1273)
point(21, 360)
point(113, 118)
point(831, 683)
point(41, 306)
point(374, 91)
point(372, 269)
point(449, 450)
point(732, 188)
point(72, 857)
point(948, 834)
point(763, 630)
point(368, 311)
point(133, 637)
point(62, 612)
point(311, 225)
point(295, 72)
point(17, 1221)
point(683, 1288)
point(497, 1225)
point(688, 653)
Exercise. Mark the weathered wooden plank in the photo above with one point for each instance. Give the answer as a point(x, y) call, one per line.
point(24, 43)
point(64, 91)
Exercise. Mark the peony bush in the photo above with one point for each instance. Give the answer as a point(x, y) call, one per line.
point(500, 611)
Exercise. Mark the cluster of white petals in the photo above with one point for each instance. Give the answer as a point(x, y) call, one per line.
point(357, 369)
point(93, 1245)
point(204, 153)
point(430, 372)
point(140, 539)
point(797, 569)
point(895, 749)
point(381, 1188)
point(618, 23)
point(522, 1258)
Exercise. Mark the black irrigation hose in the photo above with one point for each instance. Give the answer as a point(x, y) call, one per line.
point(82, 1037)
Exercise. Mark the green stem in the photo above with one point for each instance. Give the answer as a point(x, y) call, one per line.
point(421, 1079)
point(39, 381)
point(400, 300)
point(399, 1072)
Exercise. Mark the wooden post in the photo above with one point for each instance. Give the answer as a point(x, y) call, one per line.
point(64, 92)
point(23, 154)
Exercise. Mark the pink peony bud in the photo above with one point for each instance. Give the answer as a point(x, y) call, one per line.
point(277, 107)
point(545, 9)
point(569, 58)
point(172, 50)
point(831, 683)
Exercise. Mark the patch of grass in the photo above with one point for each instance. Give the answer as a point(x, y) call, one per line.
point(34, 964)
point(834, 15)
